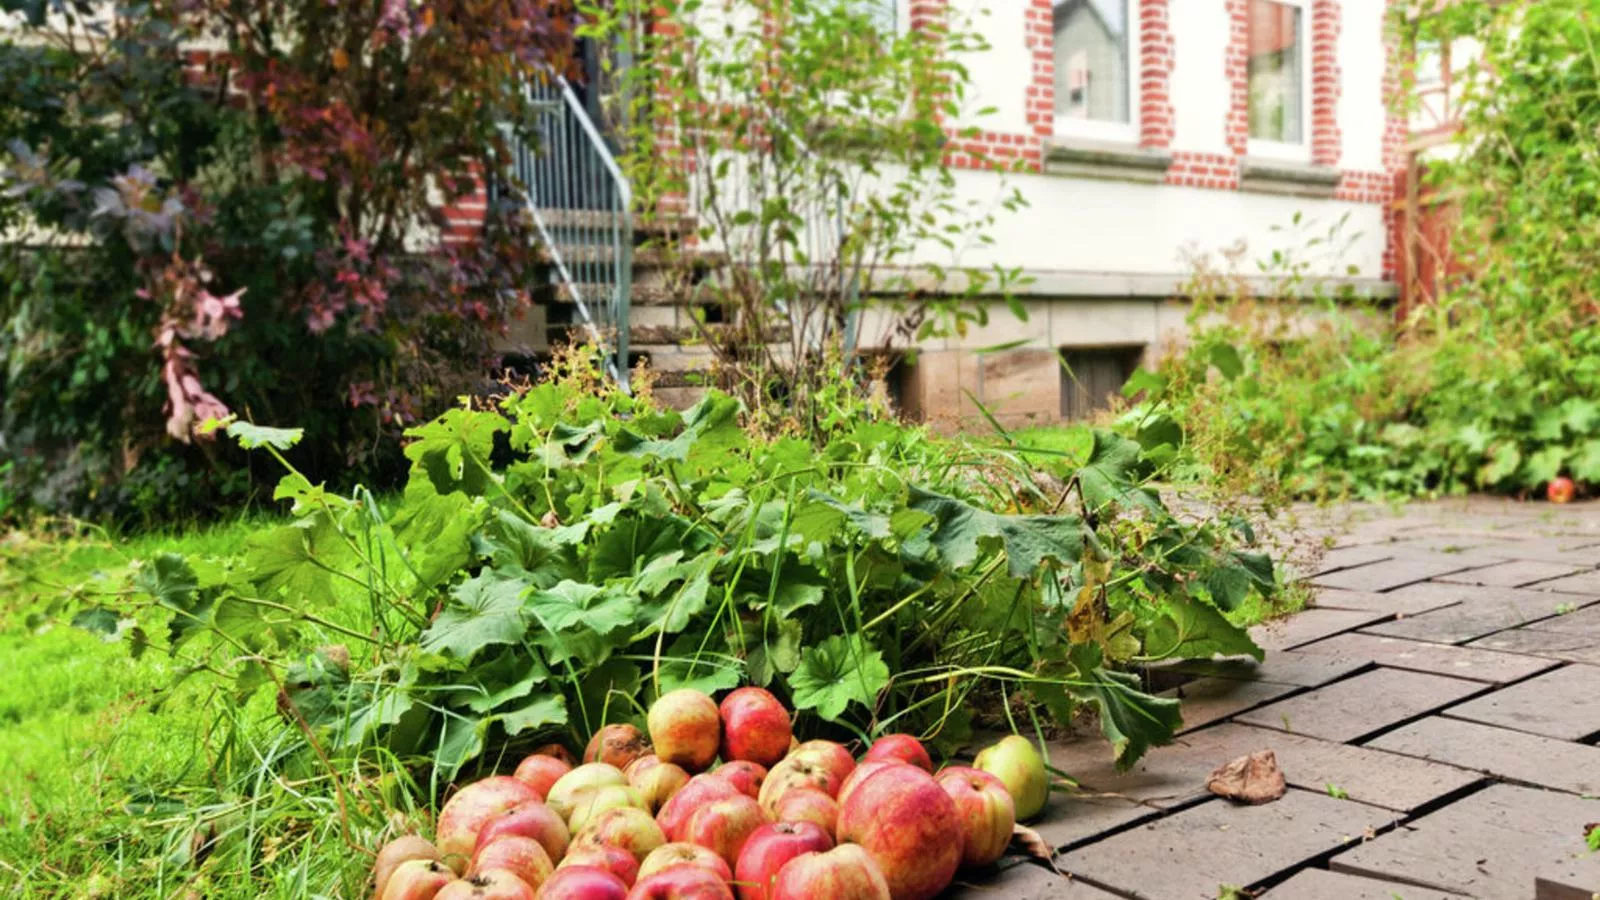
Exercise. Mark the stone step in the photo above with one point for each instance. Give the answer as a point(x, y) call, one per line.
point(643, 257)
point(653, 226)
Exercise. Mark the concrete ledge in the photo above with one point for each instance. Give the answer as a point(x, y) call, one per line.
point(1068, 284)
point(1103, 159)
point(1297, 179)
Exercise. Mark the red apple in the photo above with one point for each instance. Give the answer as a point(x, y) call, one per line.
point(1561, 490)
point(683, 853)
point(908, 825)
point(618, 744)
point(655, 779)
point(829, 755)
point(701, 789)
point(521, 856)
point(903, 747)
point(474, 806)
point(530, 820)
point(808, 805)
point(798, 772)
point(862, 772)
point(986, 810)
point(724, 825)
point(846, 872)
point(755, 727)
point(559, 751)
point(490, 884)
point(769, 848)
point(540, 772)
point(615, 860)
point(681, 883)
point(584, 777)
point(397, 851)
point(634, 830)
point(586, 805)
point(583, 883)
point(417, 879)
point(745, 775)
point(686, 728)
point(1018, 765)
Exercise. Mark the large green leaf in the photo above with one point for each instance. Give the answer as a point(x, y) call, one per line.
point(483, 611)
point(546, 555)
point(570, 604)
point(252, 437)
point(1109, 477)
point(295, 559)
point(1027, 540)
point(542, 711)
point(710, 425)
point(1132, 720)
point(842, 670)
point(435, 532)
point(1192, 629)
point(454, 449)
point(1237, 573)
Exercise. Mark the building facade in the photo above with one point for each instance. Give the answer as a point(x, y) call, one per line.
point(1156, 136)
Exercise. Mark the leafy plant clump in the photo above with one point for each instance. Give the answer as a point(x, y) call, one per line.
point(562, 558)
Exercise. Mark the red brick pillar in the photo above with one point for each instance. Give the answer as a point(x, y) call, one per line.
point(1325, 77)
point(1154, 46)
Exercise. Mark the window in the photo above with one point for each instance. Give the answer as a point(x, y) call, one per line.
point(1091, 379)
point(1094, 75)
point(1278, 78)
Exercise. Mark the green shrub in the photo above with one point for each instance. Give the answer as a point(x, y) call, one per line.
point(253, 230)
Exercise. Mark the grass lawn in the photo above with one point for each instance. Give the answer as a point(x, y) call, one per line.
point(109, 797)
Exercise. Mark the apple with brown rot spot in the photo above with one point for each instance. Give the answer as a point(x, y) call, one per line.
point(617, 744)
point(417, 879)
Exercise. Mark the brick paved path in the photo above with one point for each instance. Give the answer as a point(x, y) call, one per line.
point(1436, 714)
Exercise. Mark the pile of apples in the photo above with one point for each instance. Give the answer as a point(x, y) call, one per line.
point(648, 818)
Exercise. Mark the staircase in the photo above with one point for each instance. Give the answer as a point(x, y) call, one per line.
point(613, 278)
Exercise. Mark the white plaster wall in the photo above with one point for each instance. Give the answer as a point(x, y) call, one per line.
point(1361, 104)
point(1002, 74)
point(1092, 225)
point(1200, 90)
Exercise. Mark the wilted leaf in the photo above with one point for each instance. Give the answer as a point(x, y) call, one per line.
point(1108, 477)
point(1190, 629)
point(1131, 719)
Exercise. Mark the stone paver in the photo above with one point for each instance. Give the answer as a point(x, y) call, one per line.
point(1514, 573)
point(1071, 820)
point(1396, 602)
point(1176, 775)
point(1021, 881)
point(1350, 709)
point(1289, 667)
point(1312, 625)
point(1563, 704)
point(1480, 611)
point(1475, 664)
point(1586, 582)
point(1584, 622)
point(1207, 700)
point(1350, 557)
point(1552, 645)
point(1512, 755)
point(1492, 844)
point(1187, 855)
point(1389, 574)
point(1321, 884)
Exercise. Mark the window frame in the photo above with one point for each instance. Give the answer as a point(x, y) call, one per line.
point(1096, 129)
point(1285, 151)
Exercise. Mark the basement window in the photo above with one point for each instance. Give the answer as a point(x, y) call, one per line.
point(1092, 378)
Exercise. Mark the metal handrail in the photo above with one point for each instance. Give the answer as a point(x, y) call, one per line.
point(582, 204)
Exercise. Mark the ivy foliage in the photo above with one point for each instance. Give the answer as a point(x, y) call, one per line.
point(559, 560)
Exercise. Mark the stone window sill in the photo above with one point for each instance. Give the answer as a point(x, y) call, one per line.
point(1106, 159)
point(1297, 179)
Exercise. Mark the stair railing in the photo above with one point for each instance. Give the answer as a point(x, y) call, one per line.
point(582, 205)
